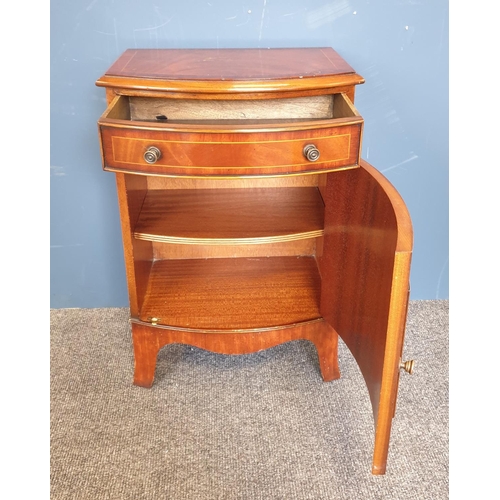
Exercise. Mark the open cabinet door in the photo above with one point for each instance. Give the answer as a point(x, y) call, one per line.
point(365, 268)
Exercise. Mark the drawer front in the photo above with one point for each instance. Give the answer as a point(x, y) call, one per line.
point(230, 154)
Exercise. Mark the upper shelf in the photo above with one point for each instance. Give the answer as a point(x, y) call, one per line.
point(231, 216)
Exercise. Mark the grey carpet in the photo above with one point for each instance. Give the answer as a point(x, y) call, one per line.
point(260, 426)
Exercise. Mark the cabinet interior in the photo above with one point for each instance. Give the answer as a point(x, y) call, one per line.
point(197, 236)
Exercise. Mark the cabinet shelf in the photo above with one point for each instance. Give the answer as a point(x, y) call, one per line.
point(233, 294)
point(231, 216)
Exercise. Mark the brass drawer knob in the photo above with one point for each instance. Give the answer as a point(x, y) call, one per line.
point(311, 152)
point(407, 366)
point(152, 154)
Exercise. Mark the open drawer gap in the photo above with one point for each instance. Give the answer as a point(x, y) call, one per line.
point(265, 111)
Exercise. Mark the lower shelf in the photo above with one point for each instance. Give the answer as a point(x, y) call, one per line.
point(233, 294)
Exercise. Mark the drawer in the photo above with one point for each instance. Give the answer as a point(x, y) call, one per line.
point(210, 138)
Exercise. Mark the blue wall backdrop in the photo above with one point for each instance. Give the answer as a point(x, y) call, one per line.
point(399, 46)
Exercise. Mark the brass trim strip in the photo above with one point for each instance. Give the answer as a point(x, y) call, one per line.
point(229, 241)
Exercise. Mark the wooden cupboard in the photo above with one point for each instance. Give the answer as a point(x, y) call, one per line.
point(249, 218)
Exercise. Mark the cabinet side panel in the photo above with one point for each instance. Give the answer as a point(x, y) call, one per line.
point(138, 254)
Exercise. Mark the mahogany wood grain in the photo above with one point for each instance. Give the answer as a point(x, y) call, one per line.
point(230, 216)
point(232, 294)
point(307, 247)
point(148, 340)
point(161, 182)
point(230, 71)
point(365, 277)
point(131, 190)
point(230, 154)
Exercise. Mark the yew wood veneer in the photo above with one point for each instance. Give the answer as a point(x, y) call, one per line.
point(249, 218)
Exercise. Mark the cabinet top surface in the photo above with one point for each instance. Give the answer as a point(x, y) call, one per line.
point(231, 64)
point(232, 67)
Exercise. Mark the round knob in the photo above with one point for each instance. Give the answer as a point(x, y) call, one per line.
point(311, 152)
point(407, 366)
point(152, 154)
